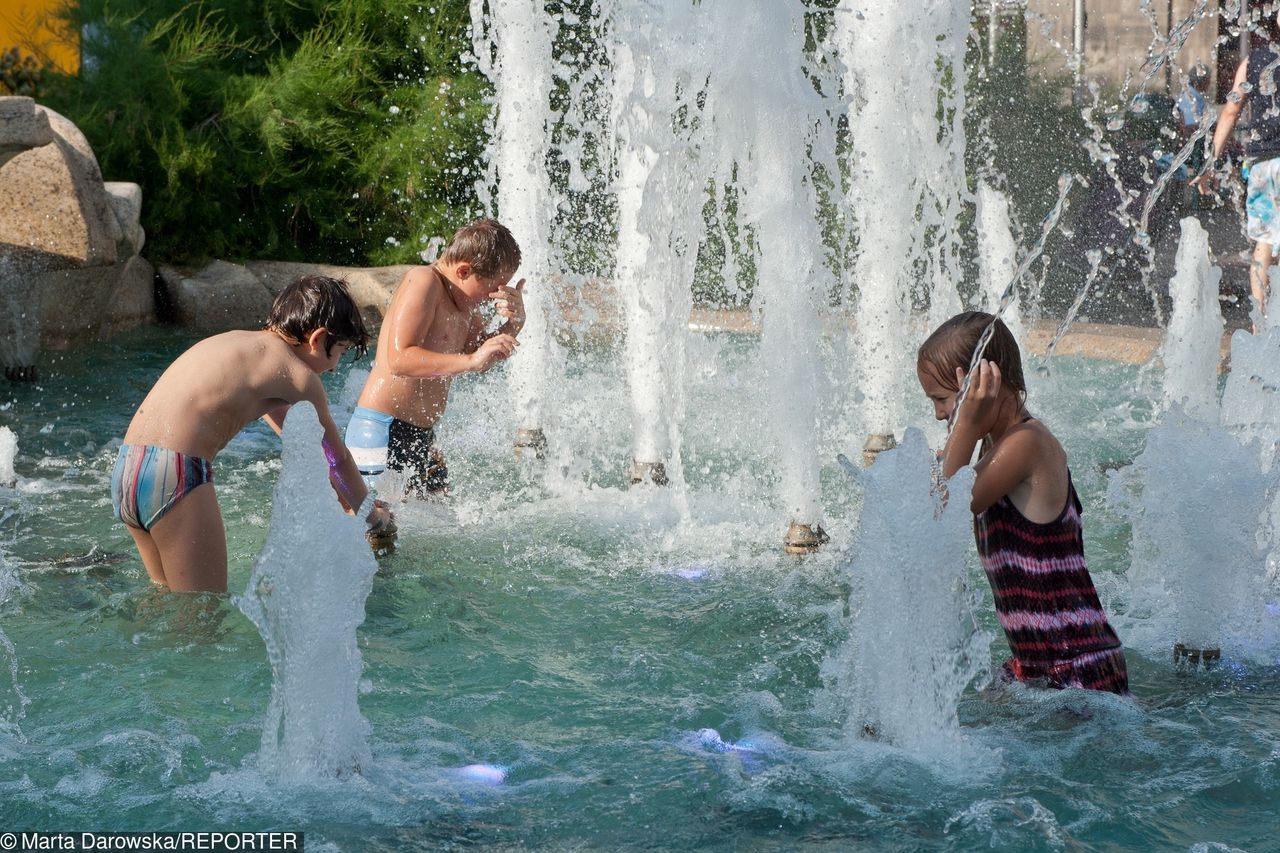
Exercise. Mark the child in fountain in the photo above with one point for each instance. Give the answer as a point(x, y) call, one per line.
point(162, 486)
point(434, 330)
point(1027, 516)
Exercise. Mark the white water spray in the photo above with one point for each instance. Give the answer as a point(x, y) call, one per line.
point(766, 116)
point(8, 453)
point(914, 645)
point(997, 255)
point(1191, 346)
point(908, 186)
point(1198, 495)
point(306, 595)
point(659, 215)
point(514, 45)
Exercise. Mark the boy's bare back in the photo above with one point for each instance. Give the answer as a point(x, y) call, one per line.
point(217, 387)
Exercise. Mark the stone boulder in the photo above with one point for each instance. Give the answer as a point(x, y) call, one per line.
point(56, 212)
point(220, 297)
point(22, 126)
point(126, 204)
point(370, 287)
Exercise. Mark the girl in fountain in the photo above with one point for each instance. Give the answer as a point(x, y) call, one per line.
point(1026, 511)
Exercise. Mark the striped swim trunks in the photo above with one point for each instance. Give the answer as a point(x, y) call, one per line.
point(149, 481)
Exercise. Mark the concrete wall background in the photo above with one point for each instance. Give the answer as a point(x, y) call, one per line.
point(1118, 40)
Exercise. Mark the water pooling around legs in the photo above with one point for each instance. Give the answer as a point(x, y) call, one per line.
point(581, 638)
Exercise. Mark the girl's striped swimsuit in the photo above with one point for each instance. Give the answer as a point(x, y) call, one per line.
point(1045, 598)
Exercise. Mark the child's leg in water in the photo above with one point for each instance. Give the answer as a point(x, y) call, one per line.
point(191, 542)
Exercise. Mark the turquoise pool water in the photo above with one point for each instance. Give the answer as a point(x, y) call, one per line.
point(579, 634)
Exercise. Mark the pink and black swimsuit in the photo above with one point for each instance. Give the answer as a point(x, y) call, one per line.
point(1046, 601)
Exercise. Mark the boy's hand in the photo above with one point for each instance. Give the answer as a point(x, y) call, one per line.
point(495, 349)
point(510, 304)
point(381, 519)
point(982, 403)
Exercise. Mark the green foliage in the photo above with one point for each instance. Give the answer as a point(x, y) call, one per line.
point(20, 75)
point(1019, 127)
point(345, 131)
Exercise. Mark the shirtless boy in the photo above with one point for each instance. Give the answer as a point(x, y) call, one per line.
point(433, 331)
point(162, 486)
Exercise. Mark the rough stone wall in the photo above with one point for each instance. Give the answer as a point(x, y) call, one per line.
point(1118, 39)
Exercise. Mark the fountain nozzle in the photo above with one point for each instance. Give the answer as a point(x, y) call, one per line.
point(804, 538)
point(1194, 658)
point(648, 472)
point(21, 373)
point(876, 444)
point(531, 440)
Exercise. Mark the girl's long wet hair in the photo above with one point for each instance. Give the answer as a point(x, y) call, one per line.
point(951, 345)
point(319, 302)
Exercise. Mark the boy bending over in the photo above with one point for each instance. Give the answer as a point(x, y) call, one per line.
point(433, 331)
point(162, 486)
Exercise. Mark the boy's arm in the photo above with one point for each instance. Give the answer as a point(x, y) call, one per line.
point(408, 325)
point(343, 473)
point(275, 418)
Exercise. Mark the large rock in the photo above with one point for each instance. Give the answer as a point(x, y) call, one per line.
point(218, 298)
point(72, 303)
point(126, 203)
point(370, 287)
point(133, 302)
point(22, 126)
point(55, 212)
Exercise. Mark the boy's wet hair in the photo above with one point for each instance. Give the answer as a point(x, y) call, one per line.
point(487, 245)
point(951, 345)
point(319, 302)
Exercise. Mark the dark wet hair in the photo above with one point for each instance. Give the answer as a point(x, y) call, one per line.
point(487, 245)
point(952, 344)
point(319, 302)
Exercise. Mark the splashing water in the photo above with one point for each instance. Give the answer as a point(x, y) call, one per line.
point(1197, 569)
point(902, 677)
point(765, 118)
point(908, 177)
point(8, 453)
point(1198, 494)
point(659, 209)
point(514, 44)
point(306, 595)
point(1191, 347)
point(997, 255)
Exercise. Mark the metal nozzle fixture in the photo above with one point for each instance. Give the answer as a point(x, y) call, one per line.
point(22, 373)
point(648, 472)
point(876, 444)
point(804, 538)
point(1184, 655)
point(531, 440)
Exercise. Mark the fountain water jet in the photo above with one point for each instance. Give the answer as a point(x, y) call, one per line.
point(997, 255)
point(306, 594)
point(514, 46)
point(766, 118)
point(658, 209)
point(1198, 563)
point(900, 678)
point(909, 181)
point(8, 453)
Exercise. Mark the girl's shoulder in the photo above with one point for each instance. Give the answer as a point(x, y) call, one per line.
point(1033, 440)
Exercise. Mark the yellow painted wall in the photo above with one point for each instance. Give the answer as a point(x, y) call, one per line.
point(29, 26)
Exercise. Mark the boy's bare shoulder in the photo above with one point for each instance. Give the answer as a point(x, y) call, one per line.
point(419, 278)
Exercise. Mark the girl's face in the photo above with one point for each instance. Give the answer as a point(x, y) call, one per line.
point(942, 396)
